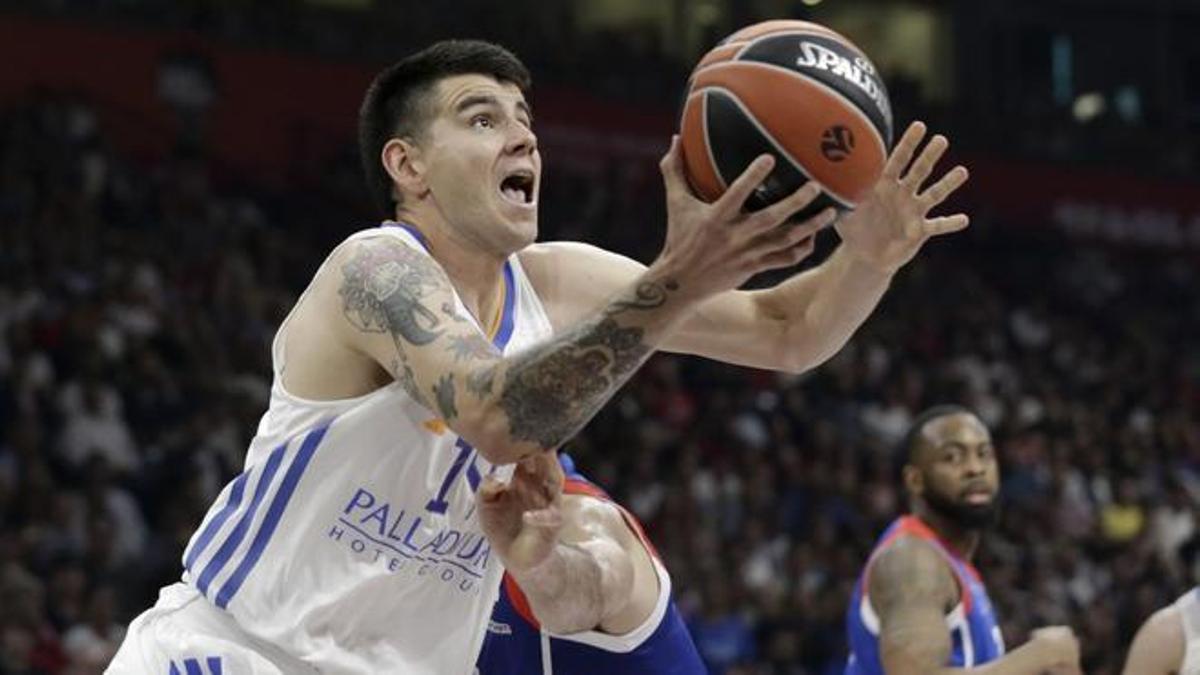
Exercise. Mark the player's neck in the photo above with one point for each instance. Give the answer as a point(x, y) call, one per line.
point(961, 541)
point(477, 274)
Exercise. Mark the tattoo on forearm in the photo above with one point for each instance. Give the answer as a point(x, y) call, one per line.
point(552, 391)
point(647, 295)
point(480, 381)
point(444, 391)
point(383, 289)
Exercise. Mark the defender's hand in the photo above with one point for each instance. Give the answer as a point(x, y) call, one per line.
point(522, 518)
point(888, 228)
point(716, 247)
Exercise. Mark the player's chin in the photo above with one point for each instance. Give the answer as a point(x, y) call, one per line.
point(521, 227)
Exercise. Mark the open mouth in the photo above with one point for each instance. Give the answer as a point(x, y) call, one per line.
point(978, 496)
point(517, 187)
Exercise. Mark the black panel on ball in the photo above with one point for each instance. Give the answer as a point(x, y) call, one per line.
point(736, 141)
point(832, 63)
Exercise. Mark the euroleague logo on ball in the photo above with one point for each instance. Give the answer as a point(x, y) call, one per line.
point(836, 143)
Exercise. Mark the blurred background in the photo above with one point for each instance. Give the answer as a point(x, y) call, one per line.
point(172, 173)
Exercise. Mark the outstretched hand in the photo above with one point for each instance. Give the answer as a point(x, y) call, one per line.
point(522, 518)
point(890, 225)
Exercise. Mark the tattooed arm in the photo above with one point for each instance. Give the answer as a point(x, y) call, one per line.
point(911, 588)
point(400, 311)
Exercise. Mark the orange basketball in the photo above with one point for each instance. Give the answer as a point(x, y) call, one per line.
point(798, 91)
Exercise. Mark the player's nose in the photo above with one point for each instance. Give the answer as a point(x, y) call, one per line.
point(521, 139)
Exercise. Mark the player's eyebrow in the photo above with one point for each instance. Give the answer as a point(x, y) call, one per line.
point(471, 100)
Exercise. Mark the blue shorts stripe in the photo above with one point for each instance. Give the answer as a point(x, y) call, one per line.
point(235, 537)
point(214, 525)
point(214, 665)
point(192, 666)
point(290, 479)
point(174, 669)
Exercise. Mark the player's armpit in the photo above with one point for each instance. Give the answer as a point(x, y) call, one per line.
point(1158, 648)
point(911, 588)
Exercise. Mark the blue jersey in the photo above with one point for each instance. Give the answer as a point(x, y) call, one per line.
point(974, 634)
point(516, 645)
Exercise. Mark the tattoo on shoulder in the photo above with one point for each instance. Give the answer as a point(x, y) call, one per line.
point(404, 375)
point(385, 289)
point(455, 315)
point(470, 346)
point(444, 391)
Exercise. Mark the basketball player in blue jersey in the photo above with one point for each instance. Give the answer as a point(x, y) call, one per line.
point(1168, 643)
point(920, 607)
point(584, 591)
point(444, 345)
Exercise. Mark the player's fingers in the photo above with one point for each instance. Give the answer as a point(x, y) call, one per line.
point(549, 518)
point(787, 257)
point(946, 224)
point(903, 152)
point(784, 208)
point(944, 187)
point(928, 158)
point(789, 235)
point(735, 197)
point(672, 169)
point(491, 489)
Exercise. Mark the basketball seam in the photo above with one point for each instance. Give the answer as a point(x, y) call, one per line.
point(801, 31)
point(853, 107)
point(775, 144)
point(712, 160)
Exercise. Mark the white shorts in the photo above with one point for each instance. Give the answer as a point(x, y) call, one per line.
point(184, 634)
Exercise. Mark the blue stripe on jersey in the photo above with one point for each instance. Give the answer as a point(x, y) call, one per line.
point(214, 665)
point(290, 479)
point(174, 669)
point(192, 666)
point(508, 318)
point(975, 641)
point(210, 530)
point(214, 566)
point(413, 231)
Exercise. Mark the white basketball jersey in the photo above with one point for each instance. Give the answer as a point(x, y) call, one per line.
point(1189, 613)
point(350, 540)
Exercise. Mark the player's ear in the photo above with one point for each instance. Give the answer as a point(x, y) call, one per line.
point(403, 161)
point(914, 480)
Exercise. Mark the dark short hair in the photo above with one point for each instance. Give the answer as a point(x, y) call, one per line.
point(908, 444)
point(394, 104)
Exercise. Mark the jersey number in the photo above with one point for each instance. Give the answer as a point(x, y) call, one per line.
point(465, 458)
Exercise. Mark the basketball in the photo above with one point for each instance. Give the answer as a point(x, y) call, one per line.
point(796, 90)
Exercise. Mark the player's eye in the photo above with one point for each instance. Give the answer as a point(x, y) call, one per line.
point(482, 122)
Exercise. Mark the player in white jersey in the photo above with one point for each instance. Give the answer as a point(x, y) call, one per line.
point(1168, 643)
point(446, 345)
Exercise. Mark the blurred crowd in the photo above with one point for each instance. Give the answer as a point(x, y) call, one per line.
point(137, 304)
